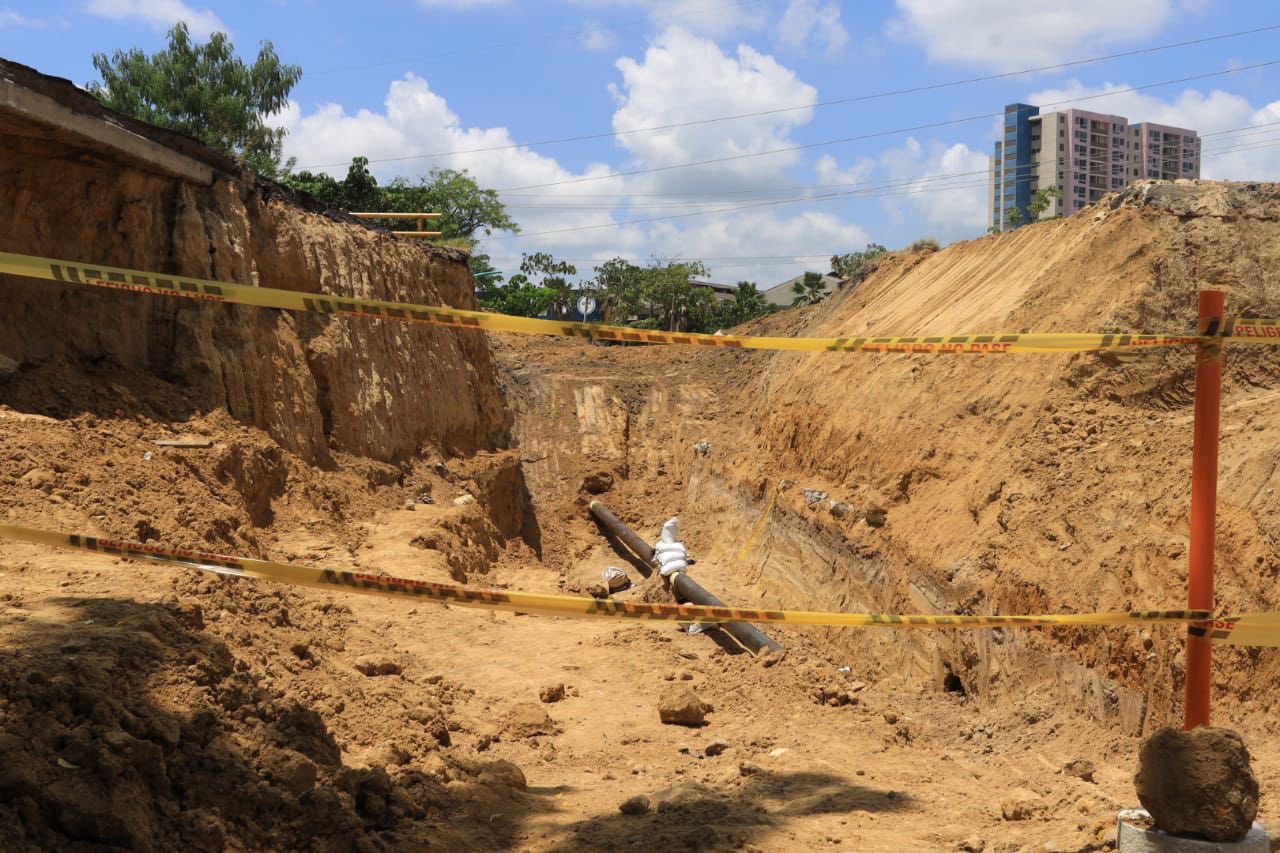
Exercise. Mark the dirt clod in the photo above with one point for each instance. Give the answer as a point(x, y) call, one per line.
point(1198, 783)
point(375, 665)
point(1080, 768)
point(551, 693)
point(597, 483)
point(639, 804)
point(679, 705)
point(716, 747)
point(527, 719)
point(1021, 804)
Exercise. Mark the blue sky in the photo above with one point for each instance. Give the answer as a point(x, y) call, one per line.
point(394, 79)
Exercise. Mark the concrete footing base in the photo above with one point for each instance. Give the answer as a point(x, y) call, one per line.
point(1132, 836)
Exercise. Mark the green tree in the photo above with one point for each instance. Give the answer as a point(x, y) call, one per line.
point(747, 304)
point(675, 303)
point(1013, 217)
point(1043, 199)
point(554, 278)
point(810, 290)
point(519, 296)
point(857, 265)
point(205, 91)
point(619, 285)
point(487, 277)
point(467, 207)
point(359, 190)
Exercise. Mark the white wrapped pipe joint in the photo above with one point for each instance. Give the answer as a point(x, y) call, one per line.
point(669, 551)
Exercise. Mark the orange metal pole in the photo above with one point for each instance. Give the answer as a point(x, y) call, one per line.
point(1204, 503)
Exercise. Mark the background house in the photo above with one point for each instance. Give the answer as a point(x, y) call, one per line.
point(783, 294)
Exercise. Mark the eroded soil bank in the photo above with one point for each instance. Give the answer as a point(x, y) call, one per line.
point(147, 707)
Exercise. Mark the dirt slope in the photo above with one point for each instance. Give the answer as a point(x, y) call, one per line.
point(150, 708)
point(1040, 482)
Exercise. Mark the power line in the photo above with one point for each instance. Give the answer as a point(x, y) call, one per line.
point(565, 34)
point(929, 87)
point(881, 133)
point(906, 187)
point(1067, 165)
point(903, 187)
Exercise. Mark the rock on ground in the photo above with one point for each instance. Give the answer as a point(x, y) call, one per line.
point(1021, 804)
point(1198, 783)
point(639, 804)
point(528, 720)
point(679, 705)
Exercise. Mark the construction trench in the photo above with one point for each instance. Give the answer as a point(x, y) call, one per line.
point(154, 707)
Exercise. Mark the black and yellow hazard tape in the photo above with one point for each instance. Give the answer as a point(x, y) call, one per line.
point(1259, 629)
point(136, 281)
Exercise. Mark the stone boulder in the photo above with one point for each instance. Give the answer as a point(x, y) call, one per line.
point(1198, 783)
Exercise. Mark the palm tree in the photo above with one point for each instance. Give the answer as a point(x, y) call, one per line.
point(808, 291)
point(748, 302)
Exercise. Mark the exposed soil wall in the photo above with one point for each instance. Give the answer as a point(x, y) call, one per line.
point(1031, 483)
point(370, 388)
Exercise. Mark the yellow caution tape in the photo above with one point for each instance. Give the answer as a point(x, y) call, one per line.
point(74, 272)
point(1260, 629)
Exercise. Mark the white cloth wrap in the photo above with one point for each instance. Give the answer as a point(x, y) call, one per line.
point(669, 551)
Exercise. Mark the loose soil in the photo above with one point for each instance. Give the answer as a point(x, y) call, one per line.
point(151, 708)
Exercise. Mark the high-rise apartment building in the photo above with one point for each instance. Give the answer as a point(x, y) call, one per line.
point(1084, 154)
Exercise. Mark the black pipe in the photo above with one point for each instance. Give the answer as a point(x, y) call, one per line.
point(686, 589)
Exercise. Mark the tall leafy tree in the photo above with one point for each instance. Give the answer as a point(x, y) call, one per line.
point(619, 285)
point(553, 276)
point(747, 304)
point(675, 303)
point(519, 296)
point(467, 207)
point(203, 90)
point(359, 190)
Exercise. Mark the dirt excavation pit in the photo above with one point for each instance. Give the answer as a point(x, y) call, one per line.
point(149, 706)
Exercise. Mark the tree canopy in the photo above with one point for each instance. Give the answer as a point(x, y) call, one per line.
point(203, 90)
point(857, 265)
point(662, 295)
point(467, 207)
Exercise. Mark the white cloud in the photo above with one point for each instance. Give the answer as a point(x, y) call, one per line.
point(1249, 155)
point(760, 233)
point(1193, 109)
point(418, 120)
point(812, 21)
point(567, 219)
point(596, 37)
point(684, 78)
point(160, 14)
point(1010, 34)
point(830, 174)
point(946, 184)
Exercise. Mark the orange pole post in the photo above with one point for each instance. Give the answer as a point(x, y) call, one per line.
point(1204, 503)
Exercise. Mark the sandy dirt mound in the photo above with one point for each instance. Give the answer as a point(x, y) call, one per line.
point(147, 707)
